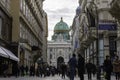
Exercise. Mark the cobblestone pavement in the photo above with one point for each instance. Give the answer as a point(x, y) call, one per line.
point(46, 78)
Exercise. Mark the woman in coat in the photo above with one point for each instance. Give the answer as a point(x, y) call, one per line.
point(116, 68)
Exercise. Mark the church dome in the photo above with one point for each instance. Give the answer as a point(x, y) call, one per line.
point(61, 26)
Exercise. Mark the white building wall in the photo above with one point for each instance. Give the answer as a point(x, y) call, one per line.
point(58, 49)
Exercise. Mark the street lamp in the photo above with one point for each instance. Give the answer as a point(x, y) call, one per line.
point(94, 7)
point(97, 41)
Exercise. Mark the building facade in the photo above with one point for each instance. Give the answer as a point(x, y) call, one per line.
point(114, 10)
point(59, 49)
point(23, 27)
point(28, 28)
point(45, 35)
point(7, 56)
point(75, 32)
point(97, 30)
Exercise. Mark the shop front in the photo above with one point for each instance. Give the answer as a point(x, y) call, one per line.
point(8, 62)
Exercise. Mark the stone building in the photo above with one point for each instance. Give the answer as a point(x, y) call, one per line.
point(45, 35)
point(59, 48)
point(7, 56)
point(97, 30)
point(23, 27)
point(29, 20)
point(114, 10)
point(75, 31)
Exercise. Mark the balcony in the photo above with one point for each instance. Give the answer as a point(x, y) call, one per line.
point(92, 34)
point(115, 9)
point(23, 40)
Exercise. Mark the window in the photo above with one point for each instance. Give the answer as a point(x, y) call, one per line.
point(27, 12)
point(21, 4)
point(7, 32)
point(50, 49)
point(0, 27)
point(8, 4)
point(50, 56)
point(101, 51)
point(24, 7)
point(112, 46)
point(20, 30)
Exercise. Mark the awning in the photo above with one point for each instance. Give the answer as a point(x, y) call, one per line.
point(3, 54)
point(10, 54)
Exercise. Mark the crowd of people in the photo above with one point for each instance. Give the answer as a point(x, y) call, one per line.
point(40, 70)
point(109, 67)
point(75, 66)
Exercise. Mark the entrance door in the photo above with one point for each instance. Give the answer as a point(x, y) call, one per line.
point(60, 60)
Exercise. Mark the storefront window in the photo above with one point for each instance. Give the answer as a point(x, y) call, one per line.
point(113, 46)
point(101, 51)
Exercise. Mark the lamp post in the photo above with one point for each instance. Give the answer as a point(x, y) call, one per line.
point(95, 9)
point(97, 40)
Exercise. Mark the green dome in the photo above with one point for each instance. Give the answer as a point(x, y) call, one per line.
point(61, 26)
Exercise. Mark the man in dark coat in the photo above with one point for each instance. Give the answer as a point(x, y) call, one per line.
point(89, 67)
point(22, 70)
point(63, 69)
point(72, 65)
point(81, 65)
point(26, 69)
point(108, 67)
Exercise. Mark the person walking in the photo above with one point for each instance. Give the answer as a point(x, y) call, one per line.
point(94, 69)
point(72, 65)
point(16, 70)
point(116, 68)
point(32, 70)
point(26, 70)
point(81, 67)
point(22, 70)
point(89, 67)
point(108, 67)
point(63, 70)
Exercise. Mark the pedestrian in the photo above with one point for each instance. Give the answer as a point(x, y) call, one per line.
point(26, 69)
point(32, 70)
point(5, 69)
point(72, 65)
point(108, 67)
point(40, 70)
point(67, 71)
point(89, 67)
point(63, 69)
point(81, 67)
point(94, 69)
point(16, 70)
point(22, 70)
point(116, 68)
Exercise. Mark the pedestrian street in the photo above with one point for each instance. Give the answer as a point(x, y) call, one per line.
point(47, 78)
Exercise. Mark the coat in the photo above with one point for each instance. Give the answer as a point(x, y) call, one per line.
point(81, 66)
point(116, 66)
point(108, 67)
point(89, 67)
point(72, 63)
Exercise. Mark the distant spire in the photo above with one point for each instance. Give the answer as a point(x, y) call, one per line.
point(61, 19)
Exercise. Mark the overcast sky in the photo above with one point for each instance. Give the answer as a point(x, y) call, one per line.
point(59, 8)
